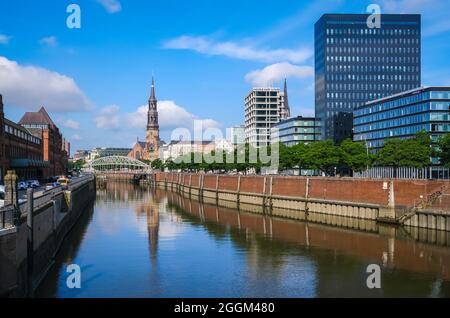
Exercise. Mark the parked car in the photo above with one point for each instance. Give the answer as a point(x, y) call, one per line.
point(33, 184)
point(63, 181)
point(2, 196)
point(22, 185)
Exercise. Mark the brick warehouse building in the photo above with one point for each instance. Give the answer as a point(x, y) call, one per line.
point(34, 147)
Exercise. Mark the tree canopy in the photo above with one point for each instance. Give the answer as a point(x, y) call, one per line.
point(324, 156)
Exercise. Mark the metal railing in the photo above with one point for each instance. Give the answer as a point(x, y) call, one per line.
point(429, 173)
point(7, 215)
point(76, 182)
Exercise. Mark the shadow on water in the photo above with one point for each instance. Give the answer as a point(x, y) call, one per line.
point(162, 244)
point(413, 264)
point(67, 253)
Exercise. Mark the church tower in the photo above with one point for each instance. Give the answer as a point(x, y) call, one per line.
point(152, 125)
point(286, 113)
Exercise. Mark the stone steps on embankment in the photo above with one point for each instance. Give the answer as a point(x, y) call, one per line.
point(442, 203)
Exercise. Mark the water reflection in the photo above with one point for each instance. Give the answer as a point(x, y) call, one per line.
point(141, 242)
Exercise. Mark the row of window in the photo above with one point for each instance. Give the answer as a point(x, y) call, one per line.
point(36, 126)
point(21, 134)
point(299, 137)
point(396, 132)
point(404, 131)
point(398, 112)
point(296, 130)
point(381, 41)
point(400, 62)
point(369, 84)
point(401, 102)
point(370, 68)
point(21, 153)
point(402, 121)
point(365, 96)
point(299, 123)
point(375, 31)
point(371, 49)
point(339, 86)
point(400, 59)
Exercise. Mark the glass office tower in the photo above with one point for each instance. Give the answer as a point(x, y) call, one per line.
point(355, 64)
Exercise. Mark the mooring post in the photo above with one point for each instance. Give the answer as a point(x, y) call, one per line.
point(238, 191)
point(264, 194)
point(308, 180)
point(217, 189)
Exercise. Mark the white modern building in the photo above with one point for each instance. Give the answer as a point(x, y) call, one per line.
point(264, 107)
point(236, 134)
point(224, 145)
point(177, 149)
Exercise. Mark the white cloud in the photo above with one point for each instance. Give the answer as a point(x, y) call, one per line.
point(171, 116)
point(4, 39)
point(111, 6)
point(108, 118)
point(31, 86)
point(405, 6)
point(436, 28)
point(434, 13)
point(70, 123)
point(76, 137)
point(207, 46)
point(277, 72)
point(51, 41)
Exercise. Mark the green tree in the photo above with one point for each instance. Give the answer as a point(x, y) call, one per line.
point(76, 165)
point(286, 157)
point(355, 156)
point(414, 152)
point(324, 156)
point(300, 156)
point(157, 164)
point(444, 150)
point(169, 164)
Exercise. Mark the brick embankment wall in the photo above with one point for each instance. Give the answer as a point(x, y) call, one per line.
point(357, 198)
point(407, 192)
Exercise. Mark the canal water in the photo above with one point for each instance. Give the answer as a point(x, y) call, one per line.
point(139, 242)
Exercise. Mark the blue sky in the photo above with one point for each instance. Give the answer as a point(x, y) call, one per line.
point(205, 56)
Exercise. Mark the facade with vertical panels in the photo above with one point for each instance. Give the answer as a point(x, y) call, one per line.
point(403, 115)
point(264, 107)
point(355, 64)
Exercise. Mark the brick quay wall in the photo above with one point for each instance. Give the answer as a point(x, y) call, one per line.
point(28, 249)
point(417, 203)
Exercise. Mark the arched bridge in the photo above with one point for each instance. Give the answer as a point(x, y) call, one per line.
point(119, 168)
